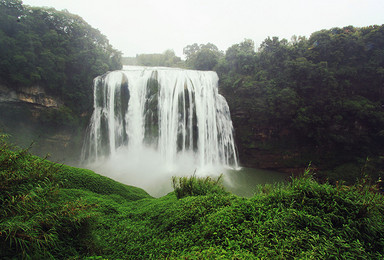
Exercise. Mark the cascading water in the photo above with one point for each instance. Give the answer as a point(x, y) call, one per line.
point(172, 119)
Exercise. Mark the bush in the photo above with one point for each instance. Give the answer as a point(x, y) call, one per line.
point(195, 186)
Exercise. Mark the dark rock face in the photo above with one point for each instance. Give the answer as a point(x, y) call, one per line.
point(34, 95)
point(29, 115)
point(259, 148)
point(261, 144)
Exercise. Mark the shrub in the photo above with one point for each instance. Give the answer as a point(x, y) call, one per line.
point(195, 186)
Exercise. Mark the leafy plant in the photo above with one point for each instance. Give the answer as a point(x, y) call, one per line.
point(195, 186)
point(34, 221)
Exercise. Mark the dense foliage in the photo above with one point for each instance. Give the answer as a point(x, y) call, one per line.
point(40, 217)
point(324, 93)
point(54, 211)
point(202, 56)
point(54, 49)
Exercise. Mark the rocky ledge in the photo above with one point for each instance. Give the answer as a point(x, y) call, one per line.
point(34, 95)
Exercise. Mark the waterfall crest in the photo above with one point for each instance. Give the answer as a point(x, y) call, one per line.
point(174, 113)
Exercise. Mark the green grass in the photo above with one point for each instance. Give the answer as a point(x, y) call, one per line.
point(60, 212)
point(47, 210)
point(77, 178)
point(194, 186)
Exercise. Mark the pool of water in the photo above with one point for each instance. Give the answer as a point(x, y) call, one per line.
point(243, 182)
point(158, 182)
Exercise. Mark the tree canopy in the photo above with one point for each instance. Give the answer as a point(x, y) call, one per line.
point(325, 92)
point(55, 49)
point(202, 57)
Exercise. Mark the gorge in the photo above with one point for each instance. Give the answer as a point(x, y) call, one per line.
point(316, 99)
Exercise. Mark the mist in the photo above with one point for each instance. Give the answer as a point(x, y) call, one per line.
point(146, 168)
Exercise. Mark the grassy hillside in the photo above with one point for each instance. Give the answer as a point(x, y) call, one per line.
point(54, 211)
point(47, 209)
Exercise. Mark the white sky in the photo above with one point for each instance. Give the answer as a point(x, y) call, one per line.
point(153, 26)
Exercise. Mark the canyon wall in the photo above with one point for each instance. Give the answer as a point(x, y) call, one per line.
point(32, 117)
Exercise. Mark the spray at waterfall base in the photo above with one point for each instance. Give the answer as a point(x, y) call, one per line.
point(151, 123)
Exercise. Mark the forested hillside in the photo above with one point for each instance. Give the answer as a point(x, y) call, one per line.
point(48, 60)
point(55, 49)
point(319, 99)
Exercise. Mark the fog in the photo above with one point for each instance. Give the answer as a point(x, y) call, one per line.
point(146, 168)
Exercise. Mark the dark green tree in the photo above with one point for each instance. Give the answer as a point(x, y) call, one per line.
point(203, 56)
point(240, 57)
point(54, 49)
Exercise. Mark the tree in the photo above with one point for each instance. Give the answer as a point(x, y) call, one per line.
point(54, 49)
point(203, 56)
point(240, 57)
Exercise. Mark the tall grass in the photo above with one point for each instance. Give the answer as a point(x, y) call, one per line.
point(59, 212)
point(196, 186)
point(35, 222)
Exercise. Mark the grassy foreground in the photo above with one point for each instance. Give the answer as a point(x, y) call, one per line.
point(51, 211)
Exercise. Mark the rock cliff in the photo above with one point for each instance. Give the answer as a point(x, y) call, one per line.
point(29, 115)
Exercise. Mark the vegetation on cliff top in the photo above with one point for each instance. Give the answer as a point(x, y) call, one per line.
point(319, 99)
point(60, 53)
point(54, 49)
point(54, 211)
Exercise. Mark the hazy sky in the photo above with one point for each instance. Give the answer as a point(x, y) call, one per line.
point(152, 26)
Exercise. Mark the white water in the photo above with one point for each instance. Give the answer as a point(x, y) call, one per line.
point(151, 123)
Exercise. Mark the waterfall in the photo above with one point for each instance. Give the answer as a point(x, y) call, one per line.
point(173, 113)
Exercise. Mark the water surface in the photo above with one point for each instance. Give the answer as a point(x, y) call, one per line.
point(243, 182)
